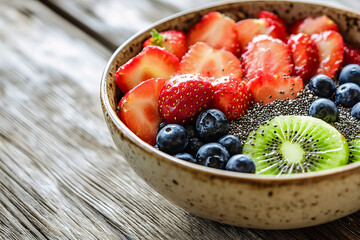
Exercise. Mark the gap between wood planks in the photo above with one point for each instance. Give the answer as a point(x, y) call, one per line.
point(76, 22)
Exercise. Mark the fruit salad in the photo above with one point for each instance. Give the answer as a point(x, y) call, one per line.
point(259, 95)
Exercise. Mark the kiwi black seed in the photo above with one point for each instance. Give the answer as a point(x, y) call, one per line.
point(354, 150)
point(296, 144)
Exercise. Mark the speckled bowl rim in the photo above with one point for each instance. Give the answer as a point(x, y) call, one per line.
point(215, 173)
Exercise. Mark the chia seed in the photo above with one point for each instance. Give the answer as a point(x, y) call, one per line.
point(259, 114)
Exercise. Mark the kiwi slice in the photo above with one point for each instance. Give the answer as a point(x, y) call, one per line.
point(296, 144)
point(354, 150)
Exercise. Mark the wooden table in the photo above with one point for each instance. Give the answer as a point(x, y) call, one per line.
point(61, 176)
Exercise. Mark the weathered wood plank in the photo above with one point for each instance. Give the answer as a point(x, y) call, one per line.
point(114, 21)
point(42, 87)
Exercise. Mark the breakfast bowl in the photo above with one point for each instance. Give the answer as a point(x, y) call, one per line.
point(240, 199)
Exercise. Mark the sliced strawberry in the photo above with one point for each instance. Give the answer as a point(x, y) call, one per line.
point(173, 41)
point(274, 17)
point(304, 54)
point(138, 109)
point(311, 25)
point(267, 54)
point(330, 47)
point(266, 88)
point(183, 97)
point(151, 62)
point(247, 29)
point(210, 62)
point(351, 55)
point(217, 30)
point(231, 96)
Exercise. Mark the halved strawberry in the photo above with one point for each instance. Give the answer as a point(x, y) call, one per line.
point(304, 54)
point(138, 109)
point(183, 97)
point(266, 88)
point(273, 16)
point(267, 54)
point(330, 47)
point(173, 41)
point(247, 29)
point(311, 25)
point(231, 96)
point(151, 62)
point(351, 55)
point(217, 30)
point(210, 62)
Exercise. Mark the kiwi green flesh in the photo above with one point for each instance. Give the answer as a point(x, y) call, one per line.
point(296, 144)
point(354, 150)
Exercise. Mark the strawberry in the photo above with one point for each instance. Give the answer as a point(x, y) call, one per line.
point(231, 96)
point(183, 97)
point(138, 109)
point(311, 25)
point(304, 54)
point(330, 46)
point(217, 30)
point(151, 62)
point(266, 88)
point(210, 62)
point(173, 41)
point(247, 29)
point(351, 55)
point(267, 54)
point(274, 17)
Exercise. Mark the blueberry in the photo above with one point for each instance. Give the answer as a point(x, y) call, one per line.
point(324, 109)
point(172, 139)
point(350, 73)
point(211, 124)
point(232, 144)
point(347, 94)
point(191, 131)
point(241, 163)
point(355, 111)
point(194, 144)
point(186, 156)
point(213, 155)
point(322, 86)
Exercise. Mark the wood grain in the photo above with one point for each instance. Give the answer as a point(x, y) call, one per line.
point(113, 21)
point(61, 176)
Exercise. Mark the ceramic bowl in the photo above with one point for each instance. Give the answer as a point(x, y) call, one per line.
point(239, 199)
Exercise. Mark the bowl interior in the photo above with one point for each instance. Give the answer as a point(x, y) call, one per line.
point(347, 21)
